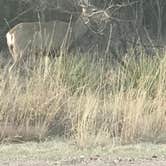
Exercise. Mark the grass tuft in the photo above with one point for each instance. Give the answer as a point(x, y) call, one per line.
point(91, 101)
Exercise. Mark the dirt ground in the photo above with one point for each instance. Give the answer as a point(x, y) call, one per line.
point(62, 153)
point(91, 161)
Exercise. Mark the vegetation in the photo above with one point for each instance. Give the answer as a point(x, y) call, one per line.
point(91, 101)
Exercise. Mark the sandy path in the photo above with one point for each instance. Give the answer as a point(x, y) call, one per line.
point(87, 162)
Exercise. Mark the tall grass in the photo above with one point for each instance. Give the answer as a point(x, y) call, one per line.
point(92, 102)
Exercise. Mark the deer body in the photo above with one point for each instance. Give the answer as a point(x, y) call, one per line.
point(34, 37)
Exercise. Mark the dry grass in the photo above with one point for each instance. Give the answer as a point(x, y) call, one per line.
point(91, 101)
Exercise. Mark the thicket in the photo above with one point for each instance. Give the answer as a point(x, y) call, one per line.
point(149, 13)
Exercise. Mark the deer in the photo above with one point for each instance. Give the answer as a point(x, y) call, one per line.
point(32, 38)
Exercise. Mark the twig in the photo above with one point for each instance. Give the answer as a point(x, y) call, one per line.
point(109, 40)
